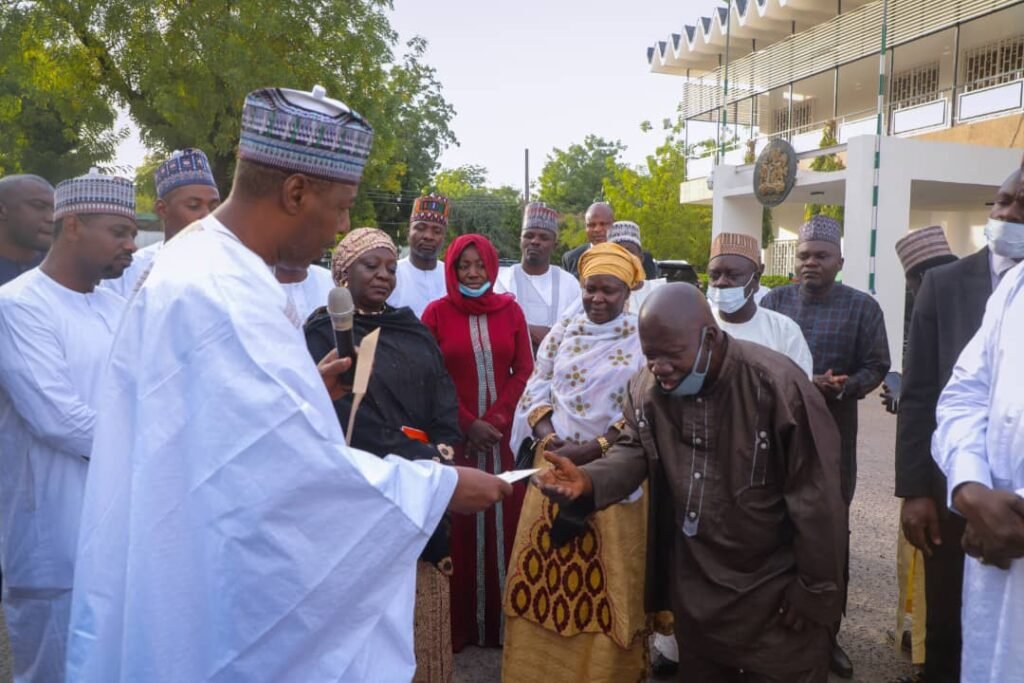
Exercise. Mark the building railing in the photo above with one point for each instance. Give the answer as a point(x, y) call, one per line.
point(922, 113)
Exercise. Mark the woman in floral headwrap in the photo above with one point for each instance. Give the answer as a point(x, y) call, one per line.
point(409, 410)
point(576, 611)
point(487, 349)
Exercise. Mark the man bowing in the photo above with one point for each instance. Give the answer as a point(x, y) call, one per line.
point(227, 532)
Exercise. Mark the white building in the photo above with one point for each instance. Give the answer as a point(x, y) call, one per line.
point(953, 118)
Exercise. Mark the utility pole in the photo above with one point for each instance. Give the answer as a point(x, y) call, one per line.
point(526, 176)
point(723, 117)
point(880, 128)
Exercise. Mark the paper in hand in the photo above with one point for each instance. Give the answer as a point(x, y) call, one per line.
point(513, 476)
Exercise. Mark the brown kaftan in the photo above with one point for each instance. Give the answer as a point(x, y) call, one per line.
point(747, 512)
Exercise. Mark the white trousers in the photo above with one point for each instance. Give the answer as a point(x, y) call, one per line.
point(38, 630)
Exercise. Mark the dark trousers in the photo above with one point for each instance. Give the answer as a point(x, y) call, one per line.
point(695, 669)
point(943, 589)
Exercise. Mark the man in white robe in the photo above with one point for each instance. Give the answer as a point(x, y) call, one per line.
point(56, 328)
point(979, 445)
point(420, 275)
point(185, 193)
point(227, 532)
point(734, 273)
point(542, 290)
point(307, 288)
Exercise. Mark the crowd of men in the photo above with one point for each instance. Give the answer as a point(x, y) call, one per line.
point(177, 500)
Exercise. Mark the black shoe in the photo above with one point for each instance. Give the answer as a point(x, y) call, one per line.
point(839, 663)
point(663, 667)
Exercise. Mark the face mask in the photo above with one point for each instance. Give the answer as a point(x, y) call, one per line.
point(474, 293)
point(694, 382)
point(729, 299)
point(1005, 238)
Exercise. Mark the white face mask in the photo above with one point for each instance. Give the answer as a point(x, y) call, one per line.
point(728, 300)
point(1005, 238)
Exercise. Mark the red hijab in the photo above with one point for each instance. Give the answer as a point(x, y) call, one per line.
point(482, 305)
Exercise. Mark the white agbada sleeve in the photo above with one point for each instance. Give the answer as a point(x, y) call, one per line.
point(227, 533)
point(979, 438)
point(38, 381)
point(959, 442)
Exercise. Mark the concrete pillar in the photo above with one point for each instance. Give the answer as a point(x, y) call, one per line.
point(894, 220)
point(740, 214)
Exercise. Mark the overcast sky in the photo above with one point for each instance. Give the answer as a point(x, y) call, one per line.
point(540, 74)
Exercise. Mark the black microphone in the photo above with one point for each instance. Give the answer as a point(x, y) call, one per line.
point(341, 309)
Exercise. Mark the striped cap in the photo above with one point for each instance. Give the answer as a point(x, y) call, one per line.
point(539, 216)
point(94, 193)
point(432, 208)
point(922, 245)
point(734, 243)
point(625, 231)
point(184, 167)
point(305, 132)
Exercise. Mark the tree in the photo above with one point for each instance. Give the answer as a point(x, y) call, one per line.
point(52, 126)
point(826, 162)
point(572, 179)
point(182, 71)
point(495, 212)
point(649, 195)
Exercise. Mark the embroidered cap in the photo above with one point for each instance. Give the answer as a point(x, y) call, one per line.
point(94, 193)
point(305, 132)
point(184, 167)
point(539, 216)
point(625, 231)
point(736, 244)
point(432, 208)
point(922, 245)
point(821, 229)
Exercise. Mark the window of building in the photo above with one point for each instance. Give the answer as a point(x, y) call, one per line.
point(993, 64)
point(803, 117)
point(915, 86)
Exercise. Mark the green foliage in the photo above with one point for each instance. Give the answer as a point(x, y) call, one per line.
point(182, 71)
point(774, 281)
point(495, 212)
point(572, 179)
point(54, 123)
point(649, 195)
point(826, 162)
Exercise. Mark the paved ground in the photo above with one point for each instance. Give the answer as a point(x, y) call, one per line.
point(873, 584)
point(872, 603)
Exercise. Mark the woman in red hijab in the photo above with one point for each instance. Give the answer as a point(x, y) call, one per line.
point(486, 346)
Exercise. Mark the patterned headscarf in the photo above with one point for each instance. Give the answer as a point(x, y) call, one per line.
point(611, 259)
point(355, 244)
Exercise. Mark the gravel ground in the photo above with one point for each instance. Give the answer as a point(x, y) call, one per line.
point(874, 520)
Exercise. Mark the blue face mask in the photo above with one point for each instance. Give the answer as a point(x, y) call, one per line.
point(694, 382)
point(474, 293)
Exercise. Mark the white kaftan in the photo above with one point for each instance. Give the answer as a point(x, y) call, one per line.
point(980, 438)
point(416, 288)
point(311, 293)
point(775, 331)
point(227, 532)
point(54, 344)
point(142, 261)
point(542, 297)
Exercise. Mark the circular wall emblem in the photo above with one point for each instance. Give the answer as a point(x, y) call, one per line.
point(775, 173)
